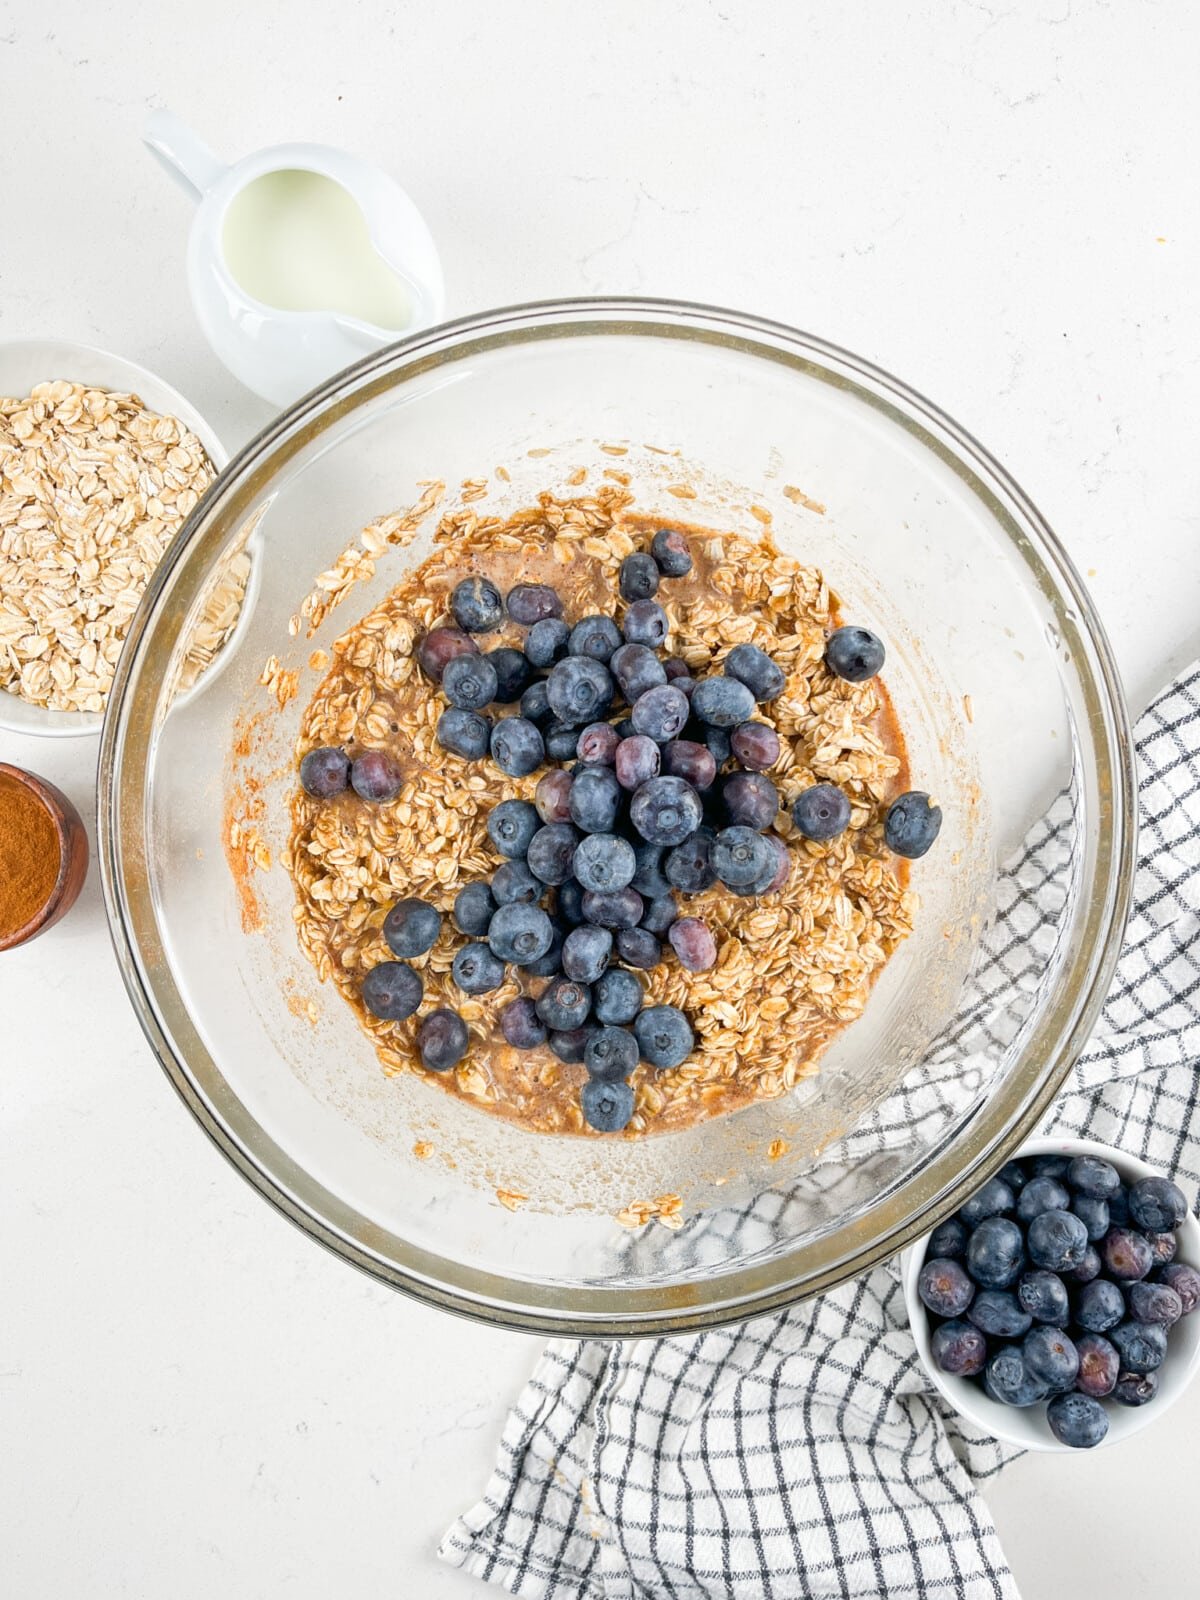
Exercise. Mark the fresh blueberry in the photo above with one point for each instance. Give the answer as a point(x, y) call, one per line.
point(1185, 1281)
point(1118, 1208)
point(515, 883)
point(1154, 1302)
point(693, 944)
point(638, 577)
point(636, 670)
point(1135, 1388)
point(717, 743)
point(442, 1039)
point(474, 907)
point(722, 703)
point(1099, 1306)
point(1041, 1194)
point(782, 869)
point(411, 927)
point(1050, 1356)
point(595, 799)
point(691, 761)
point(1092, 1213)
point(995, 1253)
point(392, 991)
point(564, 1004)
point(511, 825)
point(689, 865)
point(1093, 1176)
point(520, 932)
point(949, 1239)
point(517, 746)
point(552, 797)
point(958, 1348)
point(660, 915)
point(638, 947)
point(598, 744)
point(325, 772)
point(756, 745)
point(664, 1036)
point(569, 903)
point(546, 642)
point(623, 908)
point(617, 997)
point(1126, 1254)
point(1014, 1175)
point(441, 646)
point(375, 777)
point(993, 1200)
point(1008, 1381)
point(513, 672)
point(464, 733)
point(1044, 1295)
point(740, 857)
point(1077, 1420)
point(1162, 1247)
point(821, 812)
point(750, 800)
point(661, 713)
point(521, 1025)
point(1142, 1345)
point(911, 825)
point(638, 760)
point(607, 1107)
point(997, 1313)
point(476, 970)
point(666, 810)
point(569, 1044)
point(645, 622)
point(854, 654)
point(1088, 1268)
point(1099, 1366)
point(595, 636)
point(671, 552)
point(586, 953)
point(535, 705)
point(469, 682)
point(944, 1287)
point(754, 667)
point(476, 605)
point(1057, 1240)
point(649, 880)
point(580, 690)
point(625, 728)
point(550, 964)
point(1157, 1205)
point(676, 667)
point(1049, 1166)
point(530, 603)
point(611, 1054)
point(551, 852)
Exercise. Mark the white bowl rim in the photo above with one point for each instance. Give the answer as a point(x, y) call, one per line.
point(42, 722)
point(971, 1401)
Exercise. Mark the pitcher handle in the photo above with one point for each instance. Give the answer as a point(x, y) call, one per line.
point(182, 153)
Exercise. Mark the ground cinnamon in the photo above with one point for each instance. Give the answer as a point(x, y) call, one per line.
point(30, 854)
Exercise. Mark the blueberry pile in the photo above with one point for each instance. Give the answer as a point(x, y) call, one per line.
point(654, 786)
point(1058, 1282)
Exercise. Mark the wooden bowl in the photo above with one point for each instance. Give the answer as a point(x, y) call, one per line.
point(72, 863)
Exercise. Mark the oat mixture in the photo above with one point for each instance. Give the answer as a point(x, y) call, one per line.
point(93, 488)
point(793, 967)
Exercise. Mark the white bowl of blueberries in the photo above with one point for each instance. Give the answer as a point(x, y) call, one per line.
point(1059, 1307)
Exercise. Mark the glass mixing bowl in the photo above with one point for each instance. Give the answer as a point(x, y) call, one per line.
point(1003, 682)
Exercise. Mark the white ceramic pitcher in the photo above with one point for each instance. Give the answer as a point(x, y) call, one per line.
point(282, 353)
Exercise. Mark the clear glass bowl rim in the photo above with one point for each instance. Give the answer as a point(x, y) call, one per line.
point(789, 1276)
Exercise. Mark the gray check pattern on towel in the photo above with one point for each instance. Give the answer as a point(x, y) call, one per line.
point(804, 1454)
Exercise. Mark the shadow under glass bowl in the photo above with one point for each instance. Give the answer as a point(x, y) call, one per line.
point(1003, 683)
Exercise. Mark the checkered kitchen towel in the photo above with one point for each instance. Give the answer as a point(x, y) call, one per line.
point(804, 1454)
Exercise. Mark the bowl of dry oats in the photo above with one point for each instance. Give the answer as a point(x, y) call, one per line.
point(321, 872)
point(101, 463)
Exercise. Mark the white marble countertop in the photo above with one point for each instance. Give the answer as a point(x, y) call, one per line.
point(995, 202)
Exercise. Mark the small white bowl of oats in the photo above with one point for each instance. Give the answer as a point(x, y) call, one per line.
point(101, 462)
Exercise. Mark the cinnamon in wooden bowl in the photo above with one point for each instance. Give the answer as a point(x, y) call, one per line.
point(43, 856)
